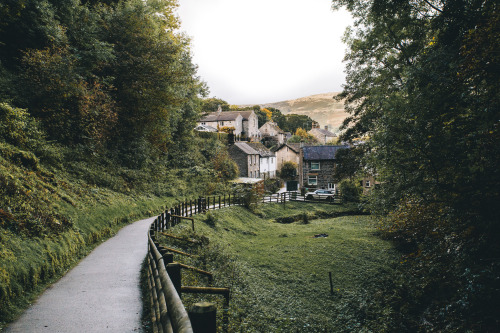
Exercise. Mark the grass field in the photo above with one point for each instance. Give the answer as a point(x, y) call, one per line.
point(279, 273)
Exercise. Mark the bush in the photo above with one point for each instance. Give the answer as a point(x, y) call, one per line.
point(210, 219)
point(18, 128)
point(351, 192)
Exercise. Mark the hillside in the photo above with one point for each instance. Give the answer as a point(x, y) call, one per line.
point(321, 107)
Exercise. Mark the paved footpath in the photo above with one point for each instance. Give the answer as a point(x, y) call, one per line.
point(101, 294)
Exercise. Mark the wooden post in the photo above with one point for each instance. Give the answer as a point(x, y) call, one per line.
point(203, 317)
point(219, 201)
point(229, 199)
point(331, 283)
point(224, 199)
point(174, 272)
point(167, 220)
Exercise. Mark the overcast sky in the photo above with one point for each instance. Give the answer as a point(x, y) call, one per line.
point(260, 51)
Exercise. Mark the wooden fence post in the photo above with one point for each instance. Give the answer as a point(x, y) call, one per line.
point(174, 272)
point(203, 317)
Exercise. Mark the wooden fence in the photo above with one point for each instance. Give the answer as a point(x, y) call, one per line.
point(164, 275)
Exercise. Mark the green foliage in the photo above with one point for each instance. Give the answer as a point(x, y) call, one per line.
point(348, 163)
point(350, 190)
point(212, 104)
point(272, 185)
point(210, 219)
point(225, 167)
point(288, 171)
point(114, 76)
point(421, 85)
point(18, 128)
point(296, 121)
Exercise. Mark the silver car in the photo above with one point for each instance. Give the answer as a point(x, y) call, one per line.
point(321, 195)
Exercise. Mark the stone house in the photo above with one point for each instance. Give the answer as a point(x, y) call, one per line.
point(247, 159)
point(368, 183)
point(287, 152)
point(271, 129)
point(254, 160)
point(267, 159)
point(316, 167)
point(245, 123)
point(322, 135)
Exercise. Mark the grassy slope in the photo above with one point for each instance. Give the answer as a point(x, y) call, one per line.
point(36, 245)
point(279, 272)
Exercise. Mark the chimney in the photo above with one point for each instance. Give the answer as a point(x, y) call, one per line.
point(219, 109)
point(326, 127)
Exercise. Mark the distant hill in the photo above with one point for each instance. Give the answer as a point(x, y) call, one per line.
point(321, 108)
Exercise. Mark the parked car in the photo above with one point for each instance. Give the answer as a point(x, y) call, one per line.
point(321, 195)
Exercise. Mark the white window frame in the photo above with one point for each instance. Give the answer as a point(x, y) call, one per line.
point(367, 183)
point(319, 166)
point(315, 182)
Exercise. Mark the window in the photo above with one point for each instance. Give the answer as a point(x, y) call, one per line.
point(367, 183)
point(312, 180)
point(314, 165)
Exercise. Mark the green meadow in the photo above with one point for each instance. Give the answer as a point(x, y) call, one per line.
point(279, 274)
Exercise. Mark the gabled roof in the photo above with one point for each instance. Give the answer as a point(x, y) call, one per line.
point(293, 146)
point(322, 132)
point(226, 116)
point(262, 150)
point(272, 125)
point(316, 153)
point(244, 147)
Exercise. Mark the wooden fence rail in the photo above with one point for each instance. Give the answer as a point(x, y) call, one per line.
point(164, 275)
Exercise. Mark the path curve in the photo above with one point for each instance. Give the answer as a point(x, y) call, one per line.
point(100, 294)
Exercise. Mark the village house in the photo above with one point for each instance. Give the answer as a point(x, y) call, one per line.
point(271, 130)
point(246, 158)
point(267, 160)
point(254, 160)
point(323, 136)
point(245, 123)
point(316, 167)
point(368, 183)
point(287, 152)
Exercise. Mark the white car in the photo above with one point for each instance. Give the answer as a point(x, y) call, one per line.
point(321, 195)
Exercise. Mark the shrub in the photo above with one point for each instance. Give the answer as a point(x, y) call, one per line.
point(350, 191)
point(210, 219)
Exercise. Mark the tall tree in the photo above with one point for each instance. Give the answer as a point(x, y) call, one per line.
point(422, 83)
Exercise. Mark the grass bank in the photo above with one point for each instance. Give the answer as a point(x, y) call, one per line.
point(279, 273)
point(53, 214)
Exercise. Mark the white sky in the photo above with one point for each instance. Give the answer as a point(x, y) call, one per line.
point(261, 51)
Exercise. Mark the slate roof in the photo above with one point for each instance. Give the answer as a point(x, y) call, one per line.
point(316, 153)
point(226, 116)
point(262, 150)
point(244, 147)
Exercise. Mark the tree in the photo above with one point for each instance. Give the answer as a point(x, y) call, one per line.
point(420, 84)
point(348, 163)
point(288, 171)
point(212, 104)
point(295, 121)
